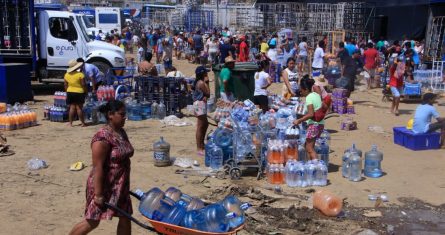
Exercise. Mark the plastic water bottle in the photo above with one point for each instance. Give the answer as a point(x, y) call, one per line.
point(326, 136)
point(373, 161)
point(194, 219)
point(290, 173)
point(355, 167)
point(36, 164)
point(300, 174)
point(191, 203)
point(150, 201)
point(311, 172)
point(302, 154)
point(321, 176)
point(345, 164)
point(233, 205)
point(162, 110)
point(216, 157)
point(323, 152)
point(209, 145)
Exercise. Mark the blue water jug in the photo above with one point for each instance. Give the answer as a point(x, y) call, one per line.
point(191, 203)
point(234, 205)
point(209, 145)
point(145, 109)
point(150, 201)
point(216, 157)
point(216, 218)
point(373, 161)
point(223, 137)
point(194, 219)
point(170, 212)
point(323, 151)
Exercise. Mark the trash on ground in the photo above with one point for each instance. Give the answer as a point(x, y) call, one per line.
point(372, 214)
point(78, 166)
point(172, 120)
point(183, 162)
point(376, 129)
point(36, 164)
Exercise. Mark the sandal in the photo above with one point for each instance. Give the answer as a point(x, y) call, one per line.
point(201, 153)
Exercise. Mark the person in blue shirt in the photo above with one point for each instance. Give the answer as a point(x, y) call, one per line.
point(350, 47)
point(424, 113)
point(93, 76)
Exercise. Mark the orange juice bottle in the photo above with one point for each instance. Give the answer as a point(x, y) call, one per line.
point(2, 123)
point(8, 120)
point(33, 118)
point(327, 203)
point(270, 172)
point(28, 119)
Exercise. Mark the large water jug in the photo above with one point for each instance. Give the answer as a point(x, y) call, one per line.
point(150, 201)
point(162, 110)
point(217, 218)
point(161, 153)
point(154, 110)
point(355, 167)
point(323, 152)
point(145, 109)
point(302, 154)
point(216, 157)
point(233, 205)
point(191, 203)
point(170, 212)
point(222, 137)
point(345, 164)
point(194, 219)
point(354, 149)
point(209, 145)
point(136, 115)
point(373, 161)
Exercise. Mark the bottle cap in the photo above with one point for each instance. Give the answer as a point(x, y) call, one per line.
point(231, 215)
point(139, 192)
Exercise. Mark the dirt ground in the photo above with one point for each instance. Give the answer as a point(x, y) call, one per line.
point(52, 200)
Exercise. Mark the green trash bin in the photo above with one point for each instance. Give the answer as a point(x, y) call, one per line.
point(244, 81)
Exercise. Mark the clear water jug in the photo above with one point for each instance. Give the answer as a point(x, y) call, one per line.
point(345, 164)
point(355, 167)
point(162, 110)
point(149, 201)
point(373, 161)
point(170, 212)
point(323, 152)
point(161, 153)
point(154, 110)
point(145, 109)
point(216, 157)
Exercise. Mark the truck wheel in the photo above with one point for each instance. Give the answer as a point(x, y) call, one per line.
point(102, 66)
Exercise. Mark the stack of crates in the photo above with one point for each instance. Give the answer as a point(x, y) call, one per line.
point(172, 91)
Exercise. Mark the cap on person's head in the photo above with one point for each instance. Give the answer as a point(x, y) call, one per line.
point(428, 97)
point(229, 59)
point(201, 69)
point(73, 65)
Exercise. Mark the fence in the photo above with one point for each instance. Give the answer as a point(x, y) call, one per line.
point(435, 38)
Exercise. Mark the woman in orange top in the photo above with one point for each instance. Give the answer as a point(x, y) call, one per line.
point(75, 87)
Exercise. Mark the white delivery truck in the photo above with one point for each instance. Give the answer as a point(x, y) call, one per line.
point(109, 18)
point(62, 37)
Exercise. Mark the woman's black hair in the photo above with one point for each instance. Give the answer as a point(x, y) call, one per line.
point(199, 77)
point(306, 83)
point(111, 106)
point(290, 59)
point(262, 65)
point(321, 44)
point(148, 55)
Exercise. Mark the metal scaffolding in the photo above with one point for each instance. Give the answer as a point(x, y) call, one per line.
point(321, 17)
point(435, 38)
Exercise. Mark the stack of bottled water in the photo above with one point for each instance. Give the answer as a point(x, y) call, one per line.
point(311, 173)
point(177, 208)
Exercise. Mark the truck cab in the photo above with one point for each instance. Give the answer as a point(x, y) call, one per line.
point(62, 36)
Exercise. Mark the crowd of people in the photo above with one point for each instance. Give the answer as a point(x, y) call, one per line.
point(280, 58)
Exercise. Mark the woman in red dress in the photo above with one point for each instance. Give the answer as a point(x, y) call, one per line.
point(109, 180)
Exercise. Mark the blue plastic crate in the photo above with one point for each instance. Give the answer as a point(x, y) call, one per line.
point(413, 141)
point(412, 89)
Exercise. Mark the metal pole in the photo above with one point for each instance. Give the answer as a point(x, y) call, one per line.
point(217, 12)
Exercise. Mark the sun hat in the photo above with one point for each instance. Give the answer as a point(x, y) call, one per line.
point(73, 65)
point(229, 59)
point(321, 81)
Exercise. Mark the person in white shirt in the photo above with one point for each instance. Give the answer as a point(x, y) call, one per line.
point(262, 82)
point(212, 48)
point(319, 56)
point(174, 73)
point(140, 54)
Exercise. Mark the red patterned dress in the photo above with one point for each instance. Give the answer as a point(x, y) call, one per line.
point(116, 185)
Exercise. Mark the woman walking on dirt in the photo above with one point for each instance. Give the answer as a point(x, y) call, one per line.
point(109, 180)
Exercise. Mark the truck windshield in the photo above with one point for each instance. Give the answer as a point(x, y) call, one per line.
point(82, 28)
point(108, 18)
point(87, 21)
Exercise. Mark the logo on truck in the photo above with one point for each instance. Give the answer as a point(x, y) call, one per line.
point(64, 48)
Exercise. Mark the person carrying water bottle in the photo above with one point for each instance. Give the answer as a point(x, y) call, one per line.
point(200, 96)
point(314, 117)
point(109, 179)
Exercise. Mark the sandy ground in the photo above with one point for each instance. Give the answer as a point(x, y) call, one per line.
point(52, 200)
